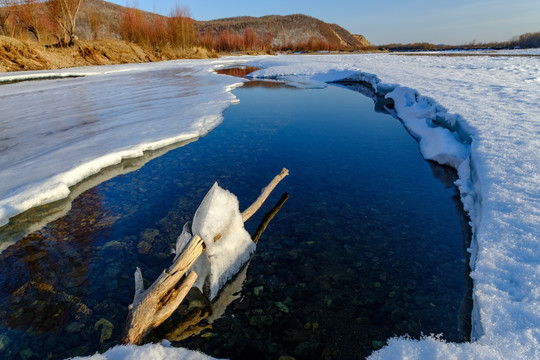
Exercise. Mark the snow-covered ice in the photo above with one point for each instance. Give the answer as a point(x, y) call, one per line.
point(55, 133)
point(219, 223)
point(476, 113)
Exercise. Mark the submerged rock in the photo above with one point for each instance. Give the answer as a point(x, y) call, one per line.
point(5, 341)
point(74, 327)
point(26, 354)
point(106, 329)
point(143, 247)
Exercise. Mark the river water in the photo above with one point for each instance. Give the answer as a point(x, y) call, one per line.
point(370, 244)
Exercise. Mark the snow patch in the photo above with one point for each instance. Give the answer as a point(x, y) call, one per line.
point(147, 352)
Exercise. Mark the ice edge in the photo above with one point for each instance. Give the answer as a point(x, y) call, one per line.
point(423, 117)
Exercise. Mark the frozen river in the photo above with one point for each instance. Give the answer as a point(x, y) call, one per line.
point(371, 243)
point(491, 101)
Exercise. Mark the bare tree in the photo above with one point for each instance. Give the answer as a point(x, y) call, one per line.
point(30, 16)
point(64, 13)
point(6, 11)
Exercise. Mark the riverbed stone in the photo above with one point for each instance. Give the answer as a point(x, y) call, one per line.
point(150, 235)
point(106, 329)
point(25, 318)
point(5, 341)
point(113, 246)
point(73, 279)
point(80, 351)
point(26, 354)
point(143, 247)
point(306, 348)
point(74, 327)
point(258, 290)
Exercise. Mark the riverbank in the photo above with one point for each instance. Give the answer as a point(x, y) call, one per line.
point(16, 55)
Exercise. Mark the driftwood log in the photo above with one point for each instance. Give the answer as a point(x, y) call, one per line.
point(151, 307)
point(201, 316)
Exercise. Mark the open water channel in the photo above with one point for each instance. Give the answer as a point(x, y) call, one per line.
point(370, 244)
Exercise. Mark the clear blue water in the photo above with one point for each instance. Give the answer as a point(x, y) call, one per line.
point(369, 245)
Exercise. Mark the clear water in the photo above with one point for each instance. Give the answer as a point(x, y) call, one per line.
point(369, 245)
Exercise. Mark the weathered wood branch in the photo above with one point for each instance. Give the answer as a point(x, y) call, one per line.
point(264, 194)
point(151, 307)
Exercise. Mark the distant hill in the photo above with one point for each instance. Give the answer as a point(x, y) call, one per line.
point(284, 30)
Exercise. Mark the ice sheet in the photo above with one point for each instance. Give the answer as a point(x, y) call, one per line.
point(55, 133)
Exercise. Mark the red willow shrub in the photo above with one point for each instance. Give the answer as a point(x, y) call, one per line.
point(155, 31)
point(248, 40)
point(180, 29)
point(27, 19)
point(313, 44)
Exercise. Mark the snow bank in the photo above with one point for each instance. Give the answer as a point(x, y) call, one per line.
point(512, 52)
point(436, 143)
point(147, 352)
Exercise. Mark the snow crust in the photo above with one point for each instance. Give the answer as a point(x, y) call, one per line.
point(476, 113)
point(219, 223)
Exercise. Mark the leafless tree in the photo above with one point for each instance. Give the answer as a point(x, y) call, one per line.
point(64, 13)
point(6, 11)
point(30, 17)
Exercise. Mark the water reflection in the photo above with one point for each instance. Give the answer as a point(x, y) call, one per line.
point(237, 71)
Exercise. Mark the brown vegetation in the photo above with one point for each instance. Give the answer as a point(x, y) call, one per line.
point(65, 13)
point(284, 33)
point(38, 34)
point(529, 40)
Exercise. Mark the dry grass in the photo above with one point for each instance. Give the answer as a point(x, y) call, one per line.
point(16, 55)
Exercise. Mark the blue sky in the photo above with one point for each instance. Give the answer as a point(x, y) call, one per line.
point(384, 21)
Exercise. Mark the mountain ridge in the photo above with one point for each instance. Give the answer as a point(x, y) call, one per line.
point(286, 29)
